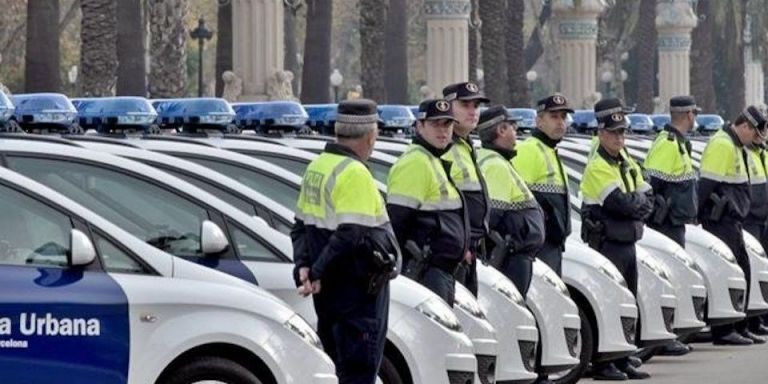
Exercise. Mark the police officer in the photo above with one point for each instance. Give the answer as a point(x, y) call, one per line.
point(670, 172)
point(427, 210)
point(616, 201)
point(538, 164)
point(516, 221)
point(757, 218)
point(724, 201)
point(465, 99)
point(344, 248)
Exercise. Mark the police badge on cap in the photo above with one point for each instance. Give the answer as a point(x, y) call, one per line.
point(610, 114)
point(553, 103)
point(757, 120)
point(464, 91)
point(435, 109)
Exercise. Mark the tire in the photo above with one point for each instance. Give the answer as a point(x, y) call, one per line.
point(585, 357)
point(388, 372)
point(210, 368)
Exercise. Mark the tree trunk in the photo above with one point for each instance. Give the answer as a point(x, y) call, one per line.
point(168, 54)
point(534, 48)
point(396, 64)
point(290, 59)
point(493, 42)
point(644, 56)
point(131, 64)
point(98, 54)
point(702, 59)
point(315, 82)
point(731, 91)
point(473, 41)
point(41, 72)
point(223, 43)
point(516, 68)
point(373, 25)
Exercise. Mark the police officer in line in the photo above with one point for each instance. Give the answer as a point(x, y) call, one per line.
point(427, 210)
point(670, 172)
point(344, 248)
point(516, 220)
point(465, 99)
point(724, 201)
point(538, 164)
point(616, 202)
point(757, 219)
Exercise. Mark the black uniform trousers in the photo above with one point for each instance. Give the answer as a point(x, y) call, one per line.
point(354, 339)
point(441, 282)
point(674, 232)
point(466, 273)
point(552, 254)
point(760, 232)
point(519, 269)
point(729, 231)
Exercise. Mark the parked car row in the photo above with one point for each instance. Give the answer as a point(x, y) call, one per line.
point(163, 230)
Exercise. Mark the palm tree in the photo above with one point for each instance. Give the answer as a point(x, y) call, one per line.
point(396, 65)
point(493, 42)
point(168, 54)
point(373, 25)
point(290, 58)
point(473, 40)
point(315, 84)
point(516, 69)
point(702, 58)
point(131, 60)
point(41, 72)
point(98, 54)
point(729, 83)
point(223, 43)
point(644, 56)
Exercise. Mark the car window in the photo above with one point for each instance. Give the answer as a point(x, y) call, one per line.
point(296, 166)
point(114, 258)
point(32, 233)
point(284, 193)
point(249, 247)
point(379, 170)
point(154, 214)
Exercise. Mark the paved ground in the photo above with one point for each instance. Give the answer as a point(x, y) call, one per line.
point(709, 364)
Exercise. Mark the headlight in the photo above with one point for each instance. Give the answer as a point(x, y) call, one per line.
point(556, 282)
point(54, 116)
point(611, 271)
point(685, 258)
point(726, 255)
point(290, 120)
point(136, 118)
point(508, 290)
point(655, 267)
point(217, 118)
point(300, 327)
point(439, 312)
point(759, 252)
point(467, 302)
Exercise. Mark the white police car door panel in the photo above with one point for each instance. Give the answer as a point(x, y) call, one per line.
point(162, 218)
point(56, 322)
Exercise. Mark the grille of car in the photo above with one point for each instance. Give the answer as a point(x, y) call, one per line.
point(737, 299)
point(528, 354)
point(572, 341)
point(669, 317)
point(629, 326)
point(486, 368)
point(459, 377)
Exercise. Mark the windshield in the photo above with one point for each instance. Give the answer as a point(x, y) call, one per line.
point(116, 106)
point(640, 120)
point(41, 103)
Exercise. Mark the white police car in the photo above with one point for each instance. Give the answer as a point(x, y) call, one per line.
point(194, 114)
point(268, 116)
point(420, 324)
point(84, 301)
point(6, 113)
point(108, 114)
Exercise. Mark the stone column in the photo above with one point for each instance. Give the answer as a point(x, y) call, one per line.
point(447, 42)
point(675, 19)
point(577, 38)
point(257, 42)
point(753, 70)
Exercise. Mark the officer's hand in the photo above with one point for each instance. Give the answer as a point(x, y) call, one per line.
point(316, 287)
point(468, 257)
point(306, 286)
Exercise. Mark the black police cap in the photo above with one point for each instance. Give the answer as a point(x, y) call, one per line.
point(464, 91)
point(553, 103)
point(683, 104)
point(493, 116)
point(359, 111)
point(757, 119)
point(610, 114)
point(435, 109)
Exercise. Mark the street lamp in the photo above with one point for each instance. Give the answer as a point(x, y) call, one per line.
point(606, 78)
point(336, 80)
point(201, 34)
point(531, 76)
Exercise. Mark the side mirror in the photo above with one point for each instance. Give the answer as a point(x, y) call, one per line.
point(212, 238)
point(83, 251)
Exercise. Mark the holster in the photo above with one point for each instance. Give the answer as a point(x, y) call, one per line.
point(660, 209)
point(593, 233)
point(383, 260)
point(419, 262)
point(502, 248)
point(718, 208)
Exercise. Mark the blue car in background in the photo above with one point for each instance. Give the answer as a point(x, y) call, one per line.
point(709, 124)
point(271, 115)
point(45, 111)
point(526, 118)
point(193, 114)
point(322, 117)
point(584, 121)
point(107, 114)
point(640, 123)
point(396, 120)
point(659, 121)
point(6, 113)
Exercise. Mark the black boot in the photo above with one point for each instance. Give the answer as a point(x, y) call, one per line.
point(751, 336)
point(633, 374)
point(732, 338)
point(608, 371)
point(760, 330)
point(635, 361)
point(675, 348)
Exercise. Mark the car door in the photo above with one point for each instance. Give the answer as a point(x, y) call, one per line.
point(57, 321)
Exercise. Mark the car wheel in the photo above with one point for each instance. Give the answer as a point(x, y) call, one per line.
point(585, 357)
point(206, 369)
point(388, 372)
